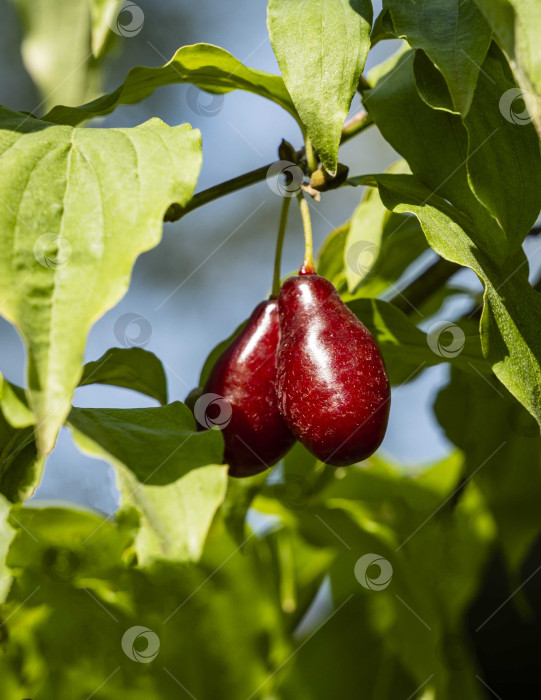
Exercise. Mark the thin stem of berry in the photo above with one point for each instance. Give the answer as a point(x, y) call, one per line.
point(352, 128)
point(308, 267)
point(279, 246)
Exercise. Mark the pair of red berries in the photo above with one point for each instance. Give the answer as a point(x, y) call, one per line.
point(303, 368)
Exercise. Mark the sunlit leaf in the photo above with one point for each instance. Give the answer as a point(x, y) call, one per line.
point(77, 208)
point(6, 535)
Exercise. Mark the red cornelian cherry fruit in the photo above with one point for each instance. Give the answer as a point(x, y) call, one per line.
point(332, 385)
point(256, 436)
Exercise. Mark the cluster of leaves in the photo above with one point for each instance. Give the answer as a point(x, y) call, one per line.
point(279, 608)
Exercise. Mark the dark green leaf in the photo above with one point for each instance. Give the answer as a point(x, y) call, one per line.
point(517, 24)
point(20, 465)
point(504, 459)
point(334, 652)
point(501, 162)
point(454, 35)
point(447, 157)
point(406, 349)
point(433, 555)
point(302, 478)
point(503, 159)
point(509, 325)
point(431, 84)
point(383, 28)
point(433, 142)
point(501, 17)
point(168, 470)
point(131, 368)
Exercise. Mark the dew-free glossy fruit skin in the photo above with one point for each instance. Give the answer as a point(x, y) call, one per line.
point(332, 385)
point(245, 375)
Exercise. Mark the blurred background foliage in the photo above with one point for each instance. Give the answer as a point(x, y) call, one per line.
point(278, 605)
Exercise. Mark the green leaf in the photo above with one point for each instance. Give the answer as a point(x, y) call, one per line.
point(509, 335)
point(527, 28)
point(453, 34)
point(238, 499)
point(209, 67)
point(14, 405)
point(302, 478)
point(345, 636)
point(517, 24)
point(453, 160)
point(56, 49)
point(330, 258)
point(397, 243)
point(303, 475)
point(501, 17)
point(504, 170)
point(503, 157)
point(168, 470)
point(383, 28)
point(462, 159)
point(299, 570)
point(20, 465)
point(321, 47)
point(78, 207)
point(439, 162)
point(96, 543)
point(131, 368)
point(6, 535)
point(103, 12)
point(380, 245)
point(504, 461)
point(431, 84)
point(405, 348)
